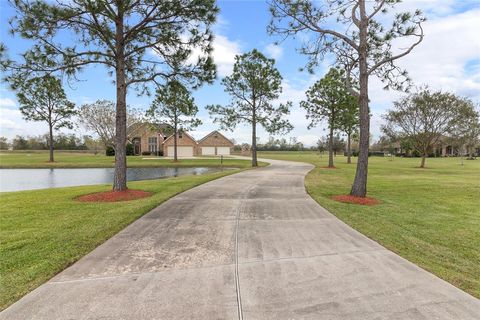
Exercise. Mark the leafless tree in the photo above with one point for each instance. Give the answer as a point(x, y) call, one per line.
point(100, 117)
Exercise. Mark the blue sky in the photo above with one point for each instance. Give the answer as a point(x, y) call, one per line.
point(448, 59)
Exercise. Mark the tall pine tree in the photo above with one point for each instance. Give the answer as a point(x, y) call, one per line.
point(135, 40)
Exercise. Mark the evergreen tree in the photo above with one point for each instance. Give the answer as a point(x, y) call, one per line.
point(43, 99)
point(175, 106)
point(135, 40)
point(253, 85)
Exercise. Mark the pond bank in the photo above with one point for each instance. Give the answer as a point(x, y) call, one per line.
point(31, 179)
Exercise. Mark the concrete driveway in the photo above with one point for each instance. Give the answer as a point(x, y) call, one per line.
point(252, 245)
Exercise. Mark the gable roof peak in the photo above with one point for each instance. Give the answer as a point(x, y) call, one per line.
point(215, 132)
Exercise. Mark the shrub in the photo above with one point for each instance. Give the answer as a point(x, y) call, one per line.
point(109, 151)
point(146, 153)
point(129, 149)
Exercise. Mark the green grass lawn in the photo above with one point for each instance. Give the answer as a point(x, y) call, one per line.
point(44, 231)
point(429, 216)
point(89, 160)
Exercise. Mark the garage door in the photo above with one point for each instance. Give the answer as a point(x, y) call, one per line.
point(208, 151)
point(223, 151)
point(183, 151)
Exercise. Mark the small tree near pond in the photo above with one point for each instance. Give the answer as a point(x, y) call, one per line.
point(253, 85)
point(425, 117)
point(175, 106)
point(43, 99)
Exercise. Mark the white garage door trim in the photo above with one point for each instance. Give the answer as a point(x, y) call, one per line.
point(223, 151)
point(182, 151)
point(208, 151)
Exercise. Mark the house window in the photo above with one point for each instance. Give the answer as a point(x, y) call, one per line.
point(152, 144)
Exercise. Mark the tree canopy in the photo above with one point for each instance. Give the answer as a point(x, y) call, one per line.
point(329, 99)
point(426, 117)
point(43, 99)
point(139, 42)
point(174, 105)
point(99, 117)
point(363, 39)
point(253, 87)
point(145, 38)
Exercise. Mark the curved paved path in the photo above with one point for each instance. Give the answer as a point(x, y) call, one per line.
point(252, 245)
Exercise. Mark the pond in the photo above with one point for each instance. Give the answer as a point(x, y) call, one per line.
point(29, 179)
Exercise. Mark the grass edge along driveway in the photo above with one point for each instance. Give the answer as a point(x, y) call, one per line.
point(42, 232)
point(429, 216)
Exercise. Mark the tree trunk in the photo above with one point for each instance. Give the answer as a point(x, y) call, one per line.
point(254, 143)
point(330, 148)
point(50, 141)
point(175, 129)
point(359, 187)
point(349, 148)
point(422, 164)
point(120, 176)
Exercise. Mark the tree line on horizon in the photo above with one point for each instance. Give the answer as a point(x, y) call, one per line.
point(118, 35)
point(61, 141)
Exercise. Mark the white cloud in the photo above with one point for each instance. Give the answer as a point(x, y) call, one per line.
point(445, 60)
point(448, 59)
point(7, 124)
point(432, 8)
point(274, 51)
point(7, 103)
point(308, 140)
point(221, 25)
point(224, 52)
point(12, 124)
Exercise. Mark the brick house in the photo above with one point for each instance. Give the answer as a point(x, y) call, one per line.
point(214, 144)
point(148, 137)
point(445, 147)
point(186, 145)
point(156, 139)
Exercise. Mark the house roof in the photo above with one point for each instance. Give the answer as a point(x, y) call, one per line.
point(215, 132)
point(135, 128)
point(183, 132)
